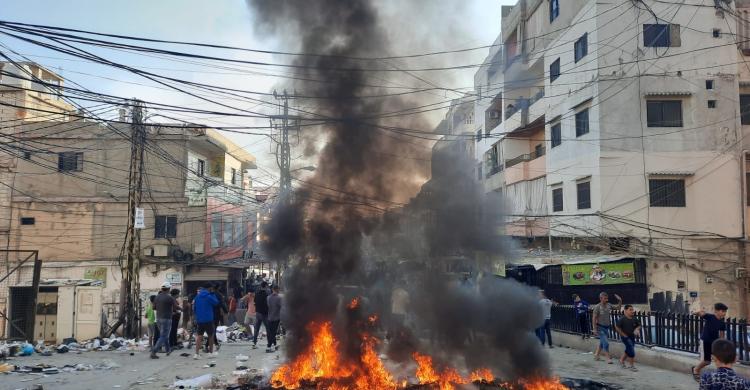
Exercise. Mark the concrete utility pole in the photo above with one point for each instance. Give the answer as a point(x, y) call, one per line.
point(131, 287)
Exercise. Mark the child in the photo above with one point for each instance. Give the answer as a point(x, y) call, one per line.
point(724, 356)
point(628, 327)
point(713, 329)
point(151, 317)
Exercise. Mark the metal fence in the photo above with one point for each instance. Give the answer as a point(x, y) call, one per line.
point(675, 331)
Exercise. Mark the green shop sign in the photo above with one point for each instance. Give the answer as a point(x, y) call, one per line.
point(595, 274)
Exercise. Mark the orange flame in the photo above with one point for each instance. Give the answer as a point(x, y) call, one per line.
point(482, 375)
point(321, 364)
point(372, 319)
point(353, 304)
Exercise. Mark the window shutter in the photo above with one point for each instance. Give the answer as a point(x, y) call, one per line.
point(159, 228)
point(60, 161)
point(171, 227)
point(674, 35)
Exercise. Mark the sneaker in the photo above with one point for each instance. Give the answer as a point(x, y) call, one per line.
point(550, 346)
point(196, 357)
point(255, 346)
point(269, 350)
point(624, 367)
point(214, 354)
point(153, 356)
point(632, 368)
point(169, 352)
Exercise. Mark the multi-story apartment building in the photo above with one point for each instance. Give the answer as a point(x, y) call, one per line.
point(617, 127)
point(69, 201)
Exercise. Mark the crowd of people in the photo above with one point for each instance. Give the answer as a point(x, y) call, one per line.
point(715, 348)
point(207, 309)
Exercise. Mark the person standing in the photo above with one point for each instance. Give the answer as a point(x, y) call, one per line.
point(203, 311)
point(232, 317)
point(175, 293)
point(261, 311)
point(581, 308)
point(628, 326)
point(274, 318)
point(545, 329)
point(165, 306)
point(249, 321)
point(151, 318)
point(714, 328)
point(602, 316)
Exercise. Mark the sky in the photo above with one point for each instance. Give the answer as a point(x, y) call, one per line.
point(418, 26)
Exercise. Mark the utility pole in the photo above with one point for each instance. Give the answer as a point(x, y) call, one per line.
point(131, 287)
point(284, 156)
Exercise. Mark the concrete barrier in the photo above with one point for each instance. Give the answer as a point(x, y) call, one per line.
point(663, 358)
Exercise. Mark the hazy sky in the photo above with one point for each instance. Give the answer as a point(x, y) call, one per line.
point(425, 25)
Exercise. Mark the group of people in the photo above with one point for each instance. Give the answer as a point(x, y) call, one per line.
point(714, 346)
point(207, 309)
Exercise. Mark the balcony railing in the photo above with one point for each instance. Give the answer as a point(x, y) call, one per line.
point(494, 170)
point(526, 157)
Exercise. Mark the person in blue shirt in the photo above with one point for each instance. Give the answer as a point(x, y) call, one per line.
point(582, 315)
point(203, 310)
point(713, 329)
point(724, 355)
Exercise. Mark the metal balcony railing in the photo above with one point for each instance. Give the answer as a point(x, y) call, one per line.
point(526, 157)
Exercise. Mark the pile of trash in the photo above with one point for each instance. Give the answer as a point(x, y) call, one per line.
point(13, 349)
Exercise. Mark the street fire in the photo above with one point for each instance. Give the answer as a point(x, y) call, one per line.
point(322, 366)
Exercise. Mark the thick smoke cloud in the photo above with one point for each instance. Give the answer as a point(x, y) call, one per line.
point(327, 223)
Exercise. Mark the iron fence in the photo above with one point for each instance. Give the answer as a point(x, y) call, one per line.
point(675, 331)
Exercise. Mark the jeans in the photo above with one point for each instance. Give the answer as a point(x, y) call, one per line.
point(544, 329)
point(165, 326)
point(272, 327)
point(260, 318)
point(629, 345)
point(173, 329)
point(603, 333)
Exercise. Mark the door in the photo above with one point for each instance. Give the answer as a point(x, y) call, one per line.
point(88, 313)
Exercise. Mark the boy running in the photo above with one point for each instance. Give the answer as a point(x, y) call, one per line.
point(628, 327)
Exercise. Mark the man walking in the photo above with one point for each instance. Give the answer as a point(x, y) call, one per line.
point(543, 330)
point(274, 318)
point(602, 316)
point(582, 313)
point(261, 311)
point(165, 306)
point(203, 311)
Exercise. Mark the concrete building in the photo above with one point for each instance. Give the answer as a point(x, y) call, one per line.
point(620, 131)
point(69, 201)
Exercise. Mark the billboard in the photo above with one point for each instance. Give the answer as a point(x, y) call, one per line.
point(597, 274)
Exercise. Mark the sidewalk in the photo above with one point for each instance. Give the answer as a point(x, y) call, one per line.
point(667, 359)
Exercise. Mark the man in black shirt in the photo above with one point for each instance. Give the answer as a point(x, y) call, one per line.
point(261, 311)
point(165, 306)
point(713, 329)
point(628, 326)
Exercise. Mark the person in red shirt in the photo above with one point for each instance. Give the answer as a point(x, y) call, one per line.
point(232, 310)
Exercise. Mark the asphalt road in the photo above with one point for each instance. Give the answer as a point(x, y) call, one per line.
point(140, 372)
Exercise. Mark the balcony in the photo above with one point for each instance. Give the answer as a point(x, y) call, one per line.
point(494, 170)
point(527, 166)
point(525, 111)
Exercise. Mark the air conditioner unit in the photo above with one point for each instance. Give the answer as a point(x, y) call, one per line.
point(157, 251)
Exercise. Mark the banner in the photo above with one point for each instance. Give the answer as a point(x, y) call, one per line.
point(595, 274)
point(96, 273)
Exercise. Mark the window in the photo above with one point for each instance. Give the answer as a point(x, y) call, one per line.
point(538, 151)
point(712, 104)
point(28, 221)
point(239, 232)
point(716, 33)
point(557, 199)
point(583, 191)
point(215, 230)
point(554, 10)
point(681, 285)
point(165, 226)
point(556, 134)
point(70, 161)
point(709, 84)
point(581, 47)
point(201, 168)
point(582, 122)
point(666, 192)
point(228, 228)
point(745, 109)
point(479, 135)
point(664, 113)
point(233, 179)
point(661, 35)
point(27, 155)
point(554, 70)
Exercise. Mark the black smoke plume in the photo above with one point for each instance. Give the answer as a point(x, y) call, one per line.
point(324, 227)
